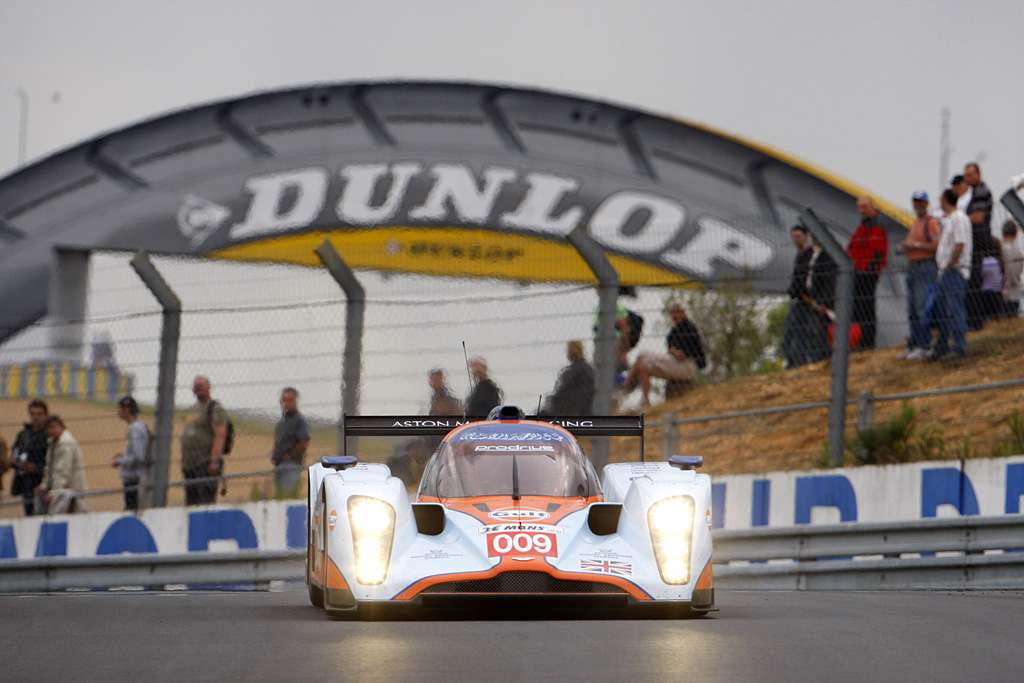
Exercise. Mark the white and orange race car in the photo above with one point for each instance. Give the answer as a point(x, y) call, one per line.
point(509, 512)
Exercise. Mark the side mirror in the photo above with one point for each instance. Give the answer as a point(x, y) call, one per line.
point(686, 462)
point(339, 462)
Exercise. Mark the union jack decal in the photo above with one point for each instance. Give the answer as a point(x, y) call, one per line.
point(607, 567)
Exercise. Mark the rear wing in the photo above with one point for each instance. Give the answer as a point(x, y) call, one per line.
point(421, 425)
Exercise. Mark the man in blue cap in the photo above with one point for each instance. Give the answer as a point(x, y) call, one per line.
point(919, 251)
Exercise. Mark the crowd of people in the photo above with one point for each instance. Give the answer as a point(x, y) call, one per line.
point(49, 469)
point(958, 274)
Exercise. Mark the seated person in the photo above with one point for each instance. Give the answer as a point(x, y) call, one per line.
point(680, 362)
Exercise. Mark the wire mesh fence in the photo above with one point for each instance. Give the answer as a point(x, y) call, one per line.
point(254, 328)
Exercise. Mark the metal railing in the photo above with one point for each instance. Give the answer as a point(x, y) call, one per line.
point(151, 570)
point(948, 554)
point(952, 553)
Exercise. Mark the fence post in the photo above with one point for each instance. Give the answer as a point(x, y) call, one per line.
point(669, 436)
point(841, 337)
point(604, 348)
point(170, 335)
point(865, 410)
point(355, 309)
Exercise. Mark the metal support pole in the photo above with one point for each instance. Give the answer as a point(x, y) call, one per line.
point(669, 436)
point(355, 309)
point(1013, 204)
point(66, 303)
point(841, 336)
point(604, 347)
point(170, 335)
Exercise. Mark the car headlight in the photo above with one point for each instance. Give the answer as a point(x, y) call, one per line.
point(373, 528)
point(671, 523)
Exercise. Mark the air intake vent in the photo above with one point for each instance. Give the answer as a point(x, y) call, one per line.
point(523, 582)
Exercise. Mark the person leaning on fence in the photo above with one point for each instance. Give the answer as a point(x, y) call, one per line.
point(134, 461)
point(64, 475)
point(684, 355)
point(202, 445)
point(869, 249)
point(28, 455)
point(919, 250)
point(1013, 265)
point(291, 439)
point(574, 390)
point(953, 258)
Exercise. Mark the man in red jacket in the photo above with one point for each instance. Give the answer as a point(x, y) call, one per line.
point(869, 249)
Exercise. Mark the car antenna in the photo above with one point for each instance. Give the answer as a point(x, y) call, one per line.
point(465, 406)
point(539, 397)
point(515, 488)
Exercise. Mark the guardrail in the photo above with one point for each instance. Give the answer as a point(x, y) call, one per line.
point(151, 570)
point(950, 553)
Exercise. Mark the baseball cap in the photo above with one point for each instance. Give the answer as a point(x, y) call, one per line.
point(130, 403)
point(920, 196)
point(956, 179)
point(977, 206)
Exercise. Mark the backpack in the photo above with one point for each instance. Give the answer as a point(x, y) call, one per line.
point(229, 438)
point(636, 326)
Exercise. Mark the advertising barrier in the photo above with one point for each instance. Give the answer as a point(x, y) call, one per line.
point(893, 493)
point(889, 493)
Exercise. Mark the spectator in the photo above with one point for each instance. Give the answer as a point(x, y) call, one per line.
point(5, 463)
point(291, 439)
point(202, 445)
point(621, 330)
point(981, 246)
point(953, 258)
point(408, 460)
point(685, 354)
point(963, 192)
point(1013, 264)
point(63, 480)
point(869, 249)
point(794, 334)
point(979, 190)
point(103, 351)
point(442, 400)
point(919, 250)
point(28, 456)
point(484, 394)
point(992, 281)
point(574, 390)
point(134, 462)
point(981, 239)
point(821, 294)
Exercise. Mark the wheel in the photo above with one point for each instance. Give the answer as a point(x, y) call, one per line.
point(316, 596)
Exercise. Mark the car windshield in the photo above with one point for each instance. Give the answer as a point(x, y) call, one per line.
point(468, 466)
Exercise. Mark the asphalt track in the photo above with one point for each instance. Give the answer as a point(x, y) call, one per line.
point(276, 636)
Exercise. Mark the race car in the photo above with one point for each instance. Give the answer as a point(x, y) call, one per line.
point(509, 510)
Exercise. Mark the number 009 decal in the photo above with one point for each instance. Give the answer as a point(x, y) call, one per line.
point(524, 543)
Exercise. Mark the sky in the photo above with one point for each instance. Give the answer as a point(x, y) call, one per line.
point(856, 88)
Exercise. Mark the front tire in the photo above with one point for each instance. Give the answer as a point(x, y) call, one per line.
point(316, 595)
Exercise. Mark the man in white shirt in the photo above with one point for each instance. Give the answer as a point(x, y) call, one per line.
point(953, 257)
point(962, 191)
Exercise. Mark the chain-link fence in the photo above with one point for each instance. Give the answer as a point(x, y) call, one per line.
point(255, 328)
